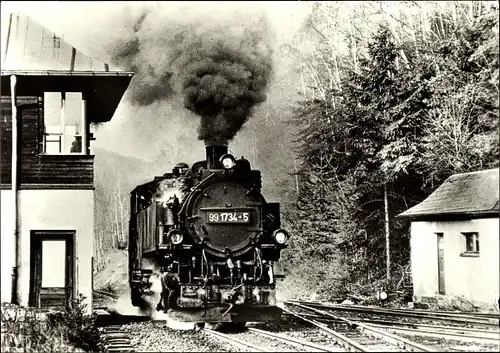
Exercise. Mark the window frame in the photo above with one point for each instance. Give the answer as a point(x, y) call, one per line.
point(58, 137)
point(475, 244)
point(37, 236)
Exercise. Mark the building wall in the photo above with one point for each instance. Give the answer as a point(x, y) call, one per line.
point(475, 278)
point(34, 166)
point(48, 209)
point(7, 242)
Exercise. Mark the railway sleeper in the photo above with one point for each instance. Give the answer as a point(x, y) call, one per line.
point(120, 341)
point(117, 336)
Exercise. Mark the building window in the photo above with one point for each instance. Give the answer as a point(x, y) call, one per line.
point(470, 244)
point(64, 123)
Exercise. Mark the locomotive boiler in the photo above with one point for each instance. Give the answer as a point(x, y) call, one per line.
point(212, 237)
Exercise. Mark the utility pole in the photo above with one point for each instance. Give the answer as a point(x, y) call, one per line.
point(387, 233)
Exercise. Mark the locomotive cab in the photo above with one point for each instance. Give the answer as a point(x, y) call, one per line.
point(211, 237)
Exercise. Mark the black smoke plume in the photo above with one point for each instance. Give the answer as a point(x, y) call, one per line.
point(219, 66)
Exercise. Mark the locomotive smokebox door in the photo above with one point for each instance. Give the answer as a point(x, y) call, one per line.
point(226, 215)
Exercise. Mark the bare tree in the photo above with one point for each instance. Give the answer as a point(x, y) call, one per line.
point(452, 136)
point(119, 213)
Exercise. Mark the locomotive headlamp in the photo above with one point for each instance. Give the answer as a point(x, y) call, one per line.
point(175, 236)
point(281, 236)
point(256, 294)
point(227, 161)
point(202, 293)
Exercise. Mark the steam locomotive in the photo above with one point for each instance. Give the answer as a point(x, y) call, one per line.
point(212, 237)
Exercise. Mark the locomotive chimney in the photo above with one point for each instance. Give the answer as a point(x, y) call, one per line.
point(214, 152)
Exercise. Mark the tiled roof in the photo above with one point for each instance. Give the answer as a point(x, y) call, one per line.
point(466, 194)
point(27, 45)
point(44, 62)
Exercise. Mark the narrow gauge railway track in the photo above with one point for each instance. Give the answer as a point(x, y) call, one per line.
point(358, 336)
point(446, 333)
point(115, 340)
point(467, 315)
point(110, 323)
point(293, 341)
point(234, 341)
point(436, 329)
point(457, 318)
point(268, 341)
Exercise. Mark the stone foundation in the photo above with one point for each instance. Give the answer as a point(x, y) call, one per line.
point(450, 302)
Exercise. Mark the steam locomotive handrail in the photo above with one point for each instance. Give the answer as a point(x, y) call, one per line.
point(204, 263)
point(259, 257)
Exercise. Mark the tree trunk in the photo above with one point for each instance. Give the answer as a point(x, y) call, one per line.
point(116, 228)
point(297, 189)
point(353, 46)
point(387, 233)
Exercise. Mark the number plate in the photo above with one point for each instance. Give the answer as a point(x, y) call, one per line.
point(228, 217)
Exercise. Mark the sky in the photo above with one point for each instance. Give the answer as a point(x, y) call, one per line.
point(93, 27)
point(83, 22)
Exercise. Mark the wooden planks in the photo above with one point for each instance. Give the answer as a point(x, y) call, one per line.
point(54, 297)
point(36, 168)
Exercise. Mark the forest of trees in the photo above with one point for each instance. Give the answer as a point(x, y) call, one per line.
point(115, 177)
point(394, 98)
point(411, 99)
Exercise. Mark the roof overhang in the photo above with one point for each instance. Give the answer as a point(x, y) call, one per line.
point(103, 90)
point(452, 216)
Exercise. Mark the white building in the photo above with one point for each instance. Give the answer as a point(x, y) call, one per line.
point(47, 199)
point(455, 240)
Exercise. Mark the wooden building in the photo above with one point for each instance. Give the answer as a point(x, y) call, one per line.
point(56, 93)
point(455, 241)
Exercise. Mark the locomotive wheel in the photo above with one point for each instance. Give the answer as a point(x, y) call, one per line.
point(216, 326)
point(224, 326)
point(236, 326)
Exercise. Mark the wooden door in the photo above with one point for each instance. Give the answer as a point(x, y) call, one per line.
point(52, 269)
point(440, 253)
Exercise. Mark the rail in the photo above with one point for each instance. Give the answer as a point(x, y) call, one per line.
point(106, 294)
point(422, 327)
point(451, 317)
point(445, 332)
point(232, 340)
point(293, 341)
point(340, 339)
point(389, 337)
